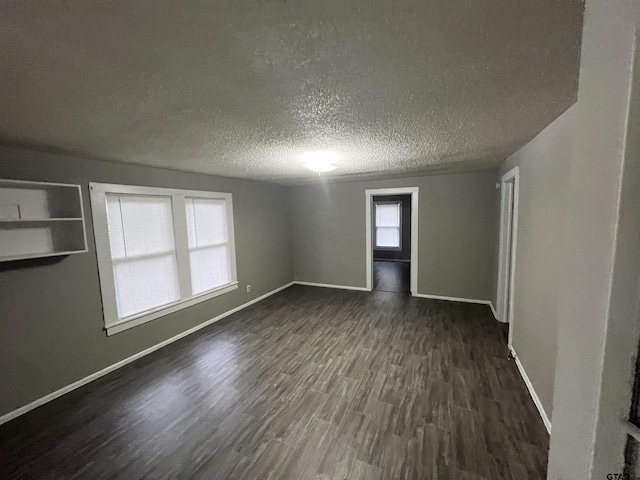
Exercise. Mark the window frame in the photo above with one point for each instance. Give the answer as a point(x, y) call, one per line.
point(98, 193)
point(375, 224)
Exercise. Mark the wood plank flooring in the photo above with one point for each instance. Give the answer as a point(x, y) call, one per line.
point(389, 276)
point(309, 383)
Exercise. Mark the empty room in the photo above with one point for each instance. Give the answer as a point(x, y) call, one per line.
point(286, 239)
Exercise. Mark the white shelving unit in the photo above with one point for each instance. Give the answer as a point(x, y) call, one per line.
point(39, 219)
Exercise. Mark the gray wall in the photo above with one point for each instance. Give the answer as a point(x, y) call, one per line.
point(544, 172)
point(456, 234)
point(51, 325)
point(578, 253)
point(597, 328)
point(622, 327)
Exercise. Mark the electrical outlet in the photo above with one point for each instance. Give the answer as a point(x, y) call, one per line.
point(248, 288)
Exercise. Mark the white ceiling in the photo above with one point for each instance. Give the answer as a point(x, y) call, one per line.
point(244, 88)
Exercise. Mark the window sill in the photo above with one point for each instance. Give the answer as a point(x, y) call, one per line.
point(122, 325)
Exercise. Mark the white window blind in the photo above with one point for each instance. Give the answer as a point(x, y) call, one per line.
point(208, 243)
point(160, 250)
point(388, 225)
point(143, 253)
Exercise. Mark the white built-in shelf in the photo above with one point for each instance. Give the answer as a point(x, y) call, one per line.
point(39, 219)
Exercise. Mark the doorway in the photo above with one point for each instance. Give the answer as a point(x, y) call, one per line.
point(392, 240)
point(391, 243)
point(510, 191)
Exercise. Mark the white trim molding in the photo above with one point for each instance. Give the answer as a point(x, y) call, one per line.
point(460, 299)
point(369, 193)
point(509, 205)
point(126, 324)
point(453, 299)
point(329, 285)
point(419, 295)
point(493, 309)
point(532, 391)
point(94, 376)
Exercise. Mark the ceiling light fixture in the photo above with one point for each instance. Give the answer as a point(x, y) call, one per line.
point(319, 161)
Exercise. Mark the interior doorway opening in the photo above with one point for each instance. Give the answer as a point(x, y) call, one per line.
point(392, 240)
point(392, 243)
point(510, 191)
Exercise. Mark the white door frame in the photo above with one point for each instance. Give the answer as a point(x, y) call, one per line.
point(414, 232)
point(511, 177)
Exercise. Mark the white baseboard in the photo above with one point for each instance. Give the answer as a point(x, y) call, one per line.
point(532, 392)
point(328, 285)
point(458, 299)
point(421, 295)
point(495, 313)
point(83, 381)
point(453, 299)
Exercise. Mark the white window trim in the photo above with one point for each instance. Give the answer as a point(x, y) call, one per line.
point(388, 202)
point(98, 191)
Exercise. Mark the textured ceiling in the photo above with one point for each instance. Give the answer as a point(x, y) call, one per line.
point(244, 88)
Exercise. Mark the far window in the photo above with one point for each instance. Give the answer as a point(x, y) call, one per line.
point(160, 250)
point(208, 243)
point(388, 225)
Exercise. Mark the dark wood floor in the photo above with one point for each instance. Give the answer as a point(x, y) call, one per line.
point(309, 383)
point(389, 276)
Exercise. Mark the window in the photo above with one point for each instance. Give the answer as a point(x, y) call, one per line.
point(208, 243)
point(143, 253)
point(388, 225)
point(160, 250)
